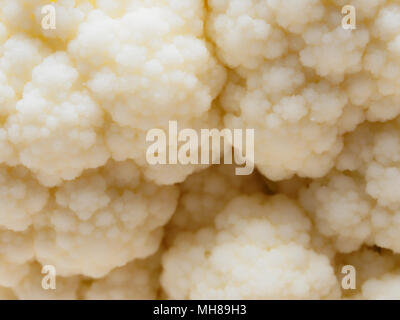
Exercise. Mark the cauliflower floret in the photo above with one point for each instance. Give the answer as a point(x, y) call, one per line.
point(20, 54)
point(138, 280)
point(385, 288)
point(281, 83)
point(8, 153)
point(21, 198)
point(148, 67)
point(374, 152)
point(340, 209)
point(259, 248)
point(102, 220)
point(77, 191)
point(56, 128)
point(16, 251)
point(345, 211)
point(302, 132)
point(245, 31)
point(361, 205)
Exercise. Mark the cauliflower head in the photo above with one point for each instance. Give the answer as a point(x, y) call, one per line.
point(79, 195)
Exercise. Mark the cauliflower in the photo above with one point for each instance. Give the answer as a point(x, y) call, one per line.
point(377, 274)
point(78, 103)
point(102, 220)
point(87, 226)
point(385, 288)
point(21, 198)
point(16, 252)
point(360, 205)
point(257, 248)
point(57, 130)
point(301, 80)
point(153, 64)
point(138, 280)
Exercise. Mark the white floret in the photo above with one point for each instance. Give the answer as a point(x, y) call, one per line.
point(102, 220)
point(259, 248)
point(56, 128)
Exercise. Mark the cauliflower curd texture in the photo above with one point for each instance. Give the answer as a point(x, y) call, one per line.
point(77, 192)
